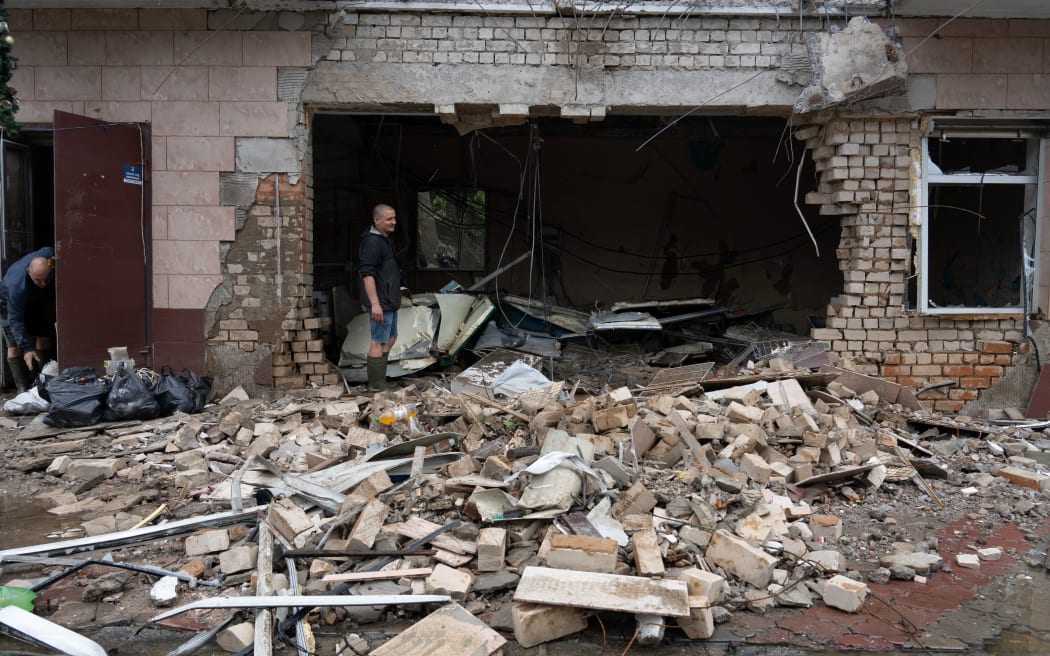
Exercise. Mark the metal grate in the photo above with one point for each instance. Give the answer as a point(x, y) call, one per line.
point(687, 375)
point(793, 351)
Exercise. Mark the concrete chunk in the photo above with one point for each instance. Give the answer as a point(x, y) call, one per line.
point(1025, 478)
point(164, 592)
point(583, 553)
point(456, 583)
point(703, 584)
point(700, 624)
point(991, 553)
point(648, 559)
point(238, 559)
point(739, 558)
point(208, 542)
point(236, 637)
point(844, 593)
point(637, 499)
point(740, 413)
point(86, 469)
point(536, 623)
point(969, 561)
point(492, 549)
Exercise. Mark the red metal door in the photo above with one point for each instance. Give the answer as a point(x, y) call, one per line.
point(102, 239)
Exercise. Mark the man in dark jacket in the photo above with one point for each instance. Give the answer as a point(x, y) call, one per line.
point(380, 291)
point(24, 295)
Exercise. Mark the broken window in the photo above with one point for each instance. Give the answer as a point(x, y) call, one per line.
point(978, 221)
point(451, 229)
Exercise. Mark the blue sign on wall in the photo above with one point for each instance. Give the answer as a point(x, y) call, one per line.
point(132, 174)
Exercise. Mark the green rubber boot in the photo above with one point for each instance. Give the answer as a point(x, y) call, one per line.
point(376, 368)
point(20, 373)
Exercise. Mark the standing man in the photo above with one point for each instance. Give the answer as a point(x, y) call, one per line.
point(27, 326)
point(380, 291)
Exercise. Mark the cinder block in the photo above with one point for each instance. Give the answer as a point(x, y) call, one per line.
point(636, 500)
point(620, 395)
point(969, 561)
point(700, 624)
point(740, 413)
point(648, 559)
point(238, 559)
point(492, 549)
point(236, 637)
point(583, 553)
point(456, 583)
point(755, 467)
point(703, 584)
point(831, 561)
point(615, 417)
point(1025, 478)
point(208, 542)
point(844, 593)
point(828, 527)
point(991, 553)
point(736, 556)
point(535, 623)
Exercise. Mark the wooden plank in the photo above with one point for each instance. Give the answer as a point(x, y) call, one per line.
point(624, 594)
point(368, 525)
point(414, 572)
point(417, 527)
point(448, 631)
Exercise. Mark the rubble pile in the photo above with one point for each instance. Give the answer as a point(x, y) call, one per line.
point(676, 507)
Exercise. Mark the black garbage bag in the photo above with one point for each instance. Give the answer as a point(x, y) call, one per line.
point(77, 398)
point(129, 398)
point(186, 392)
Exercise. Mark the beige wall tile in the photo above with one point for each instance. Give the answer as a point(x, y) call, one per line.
point(939, 56)
point(277, 48)
point(160, 153)
point(242, 83)
point(983, 27)
point(41, 49)
point(1028, 92)
point(971, 91)
point(192, 119)
point(160, 222)
point(40, 111)
point(200, 154)
point(208, 48)
point(24, 80)
point(160, 291)
point(139, 49)
point(185, 188)
point(253, 119)
point(173, 19)
point(175, 82)
point(118, 111)
point(20, 20)
point(121, 83)
point(105, 19)
point(191, 292)
point(1013, 55)
point(196, 257)
point(51, 19)
point(68, 83)
point(202, 223)
point(87, 48)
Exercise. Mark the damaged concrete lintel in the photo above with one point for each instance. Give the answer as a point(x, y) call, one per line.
point(268, 155)
point(767, 8)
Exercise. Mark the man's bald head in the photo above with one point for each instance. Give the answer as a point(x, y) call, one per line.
point(380, 209)
point(41, 271)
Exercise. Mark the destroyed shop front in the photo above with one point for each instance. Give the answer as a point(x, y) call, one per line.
point(646, 188)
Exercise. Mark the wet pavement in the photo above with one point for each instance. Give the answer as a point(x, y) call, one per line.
point(24, 523)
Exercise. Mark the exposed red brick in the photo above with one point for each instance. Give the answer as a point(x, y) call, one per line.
point(955, 358)
point(988, 370)
point(896, 371)
point(948, 406)
point(958, 370)
point(963, 394)
point(970, 358)
point(986, 358)
point(909, 358)
point(995, 347)
point(911, 382)
point(974, 382)
point(1003, 360)
point(892, 358)
point(940, 358)
point(926, 370)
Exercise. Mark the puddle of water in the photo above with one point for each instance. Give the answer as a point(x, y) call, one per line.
point(1020, 642)
point(26, 523)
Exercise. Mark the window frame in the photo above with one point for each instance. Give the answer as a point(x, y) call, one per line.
point(922, 211)
point(483, 227)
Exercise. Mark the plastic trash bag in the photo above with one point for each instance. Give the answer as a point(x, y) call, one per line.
point(186, 392)
point(77, 398)
point(27, 403)
point(129, 398)
point(49, 371)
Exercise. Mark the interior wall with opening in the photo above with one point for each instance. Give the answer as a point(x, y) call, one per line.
point(705, 210)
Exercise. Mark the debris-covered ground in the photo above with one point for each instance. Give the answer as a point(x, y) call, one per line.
point(781, 507)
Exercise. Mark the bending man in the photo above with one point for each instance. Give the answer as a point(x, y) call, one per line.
point(27, 327)
point(380, 291)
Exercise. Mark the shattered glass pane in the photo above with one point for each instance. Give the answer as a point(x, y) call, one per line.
point(973, 155)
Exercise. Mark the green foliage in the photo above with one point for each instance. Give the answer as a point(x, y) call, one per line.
point(8, 101)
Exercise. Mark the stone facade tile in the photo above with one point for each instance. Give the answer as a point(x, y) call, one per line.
point(43, 111)
point(1012, 55)
point(41, 49)
point(51, 19)
point(68, 83)
point(117, 111)
point(202, 223)
point(253, 119)
point(185, 257)
point(971, 91)
point(277, 48)
point(1028, 92)
point(121, 83)
point(160, 291)
point(174, 83)
point(24, 80)
point(173, 19)
point(87, 48)
point(105, 19)
point(191, 291)
point(159, 161)
point(939, 55)
point(139, 49)
point(1024, 27)
point(243, 83)
point(200, 154)
point(208, 48)
point(160, 222)
point(979, 27)
point(192, 119)
point(185, 188)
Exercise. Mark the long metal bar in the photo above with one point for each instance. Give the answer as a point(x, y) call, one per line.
point(307, 601)
point(77, 565)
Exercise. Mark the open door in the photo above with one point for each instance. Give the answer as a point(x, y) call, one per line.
point(102, 240)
